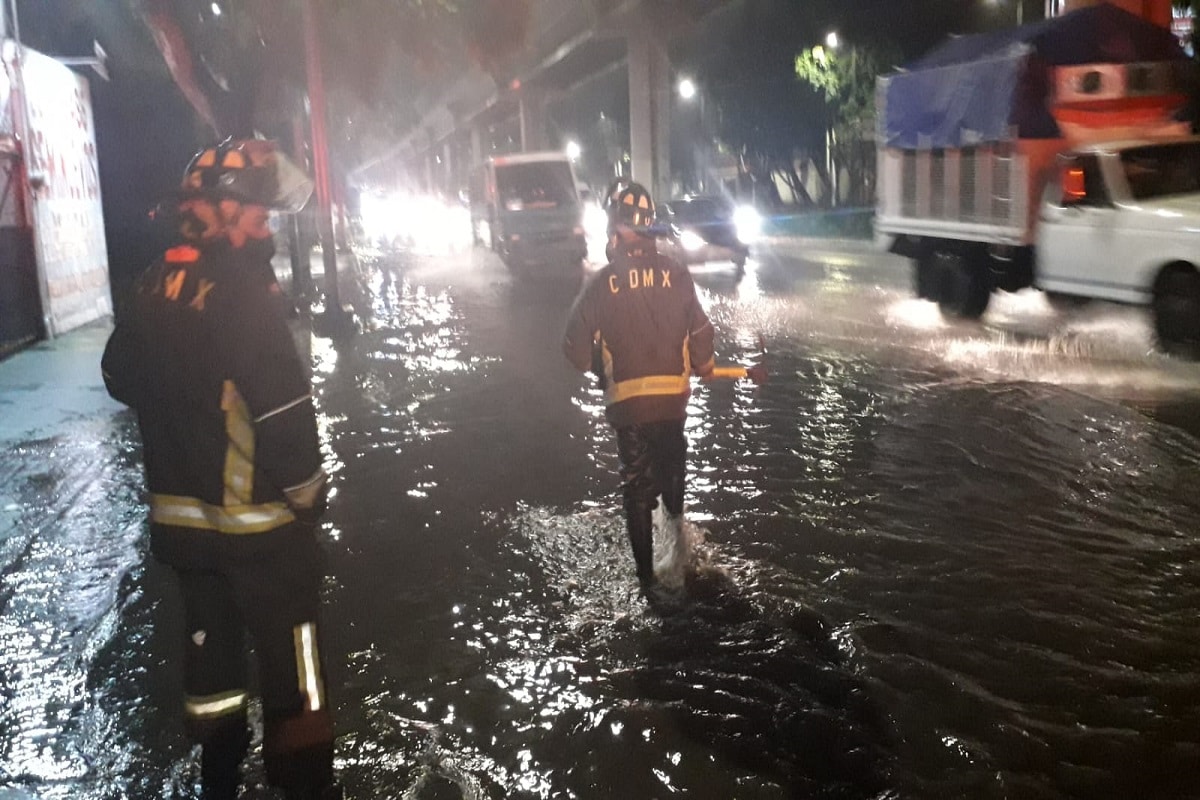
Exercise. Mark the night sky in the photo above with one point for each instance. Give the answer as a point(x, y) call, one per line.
point(146, 131)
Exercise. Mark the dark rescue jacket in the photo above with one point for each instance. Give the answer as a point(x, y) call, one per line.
point(204, 355)
point(641, 314)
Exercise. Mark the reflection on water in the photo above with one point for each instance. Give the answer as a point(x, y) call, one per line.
point(716, 689)
point(927, 559)
point(72, 540)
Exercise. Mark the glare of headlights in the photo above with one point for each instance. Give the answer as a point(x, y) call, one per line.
point(381, 220)
point(748, 223)
point(595, 221)
point(691, 240)
point(425, 222)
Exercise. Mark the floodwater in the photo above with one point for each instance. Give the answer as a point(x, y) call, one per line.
point(925, 560)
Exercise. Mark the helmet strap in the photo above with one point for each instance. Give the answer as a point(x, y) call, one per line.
point(199, 218)
point(231, 210)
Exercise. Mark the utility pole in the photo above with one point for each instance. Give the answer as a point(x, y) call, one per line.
point(336, 319)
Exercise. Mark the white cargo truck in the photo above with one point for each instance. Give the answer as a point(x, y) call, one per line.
point(1049, 155)
point(526, 207)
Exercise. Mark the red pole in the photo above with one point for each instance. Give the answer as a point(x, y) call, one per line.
point(1159, 12)
point(1156, 11)
point(316, 113)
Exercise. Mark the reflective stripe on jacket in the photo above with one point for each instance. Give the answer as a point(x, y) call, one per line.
point(188, 512)
point(204, 355)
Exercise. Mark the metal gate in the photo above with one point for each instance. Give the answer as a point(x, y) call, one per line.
point(20, 300)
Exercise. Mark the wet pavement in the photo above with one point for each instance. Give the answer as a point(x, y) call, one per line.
point(927, 559)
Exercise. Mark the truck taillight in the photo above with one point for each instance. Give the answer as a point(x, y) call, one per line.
point(1073, 184)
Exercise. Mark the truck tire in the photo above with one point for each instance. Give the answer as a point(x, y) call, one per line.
point(963, 286)
point(925, 276)
point(1177, 312)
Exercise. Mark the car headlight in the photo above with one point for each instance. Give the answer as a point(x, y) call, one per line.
point(690, 240)
point(748, 223)
point(595, 221)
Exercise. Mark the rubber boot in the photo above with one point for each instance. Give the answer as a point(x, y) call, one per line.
point(639, 523)
point(305, 774)
point(221, 760)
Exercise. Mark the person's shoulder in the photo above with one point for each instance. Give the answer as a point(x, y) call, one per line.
point(674, 266)
point(150, 278)
point(599, 277)
point(666, 260)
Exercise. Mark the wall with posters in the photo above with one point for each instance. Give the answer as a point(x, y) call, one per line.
point(20, 301)
point(64, 193)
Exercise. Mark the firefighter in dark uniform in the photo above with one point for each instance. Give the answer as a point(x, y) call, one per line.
point(640, 317)
point(233, 468)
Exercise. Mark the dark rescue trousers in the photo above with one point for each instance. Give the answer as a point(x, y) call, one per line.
point(653, 459)
point(272, 595)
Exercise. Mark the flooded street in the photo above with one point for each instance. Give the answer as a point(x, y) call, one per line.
point(928, 559)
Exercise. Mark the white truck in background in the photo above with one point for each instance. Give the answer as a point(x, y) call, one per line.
point(1047, 156)
point(526, 207)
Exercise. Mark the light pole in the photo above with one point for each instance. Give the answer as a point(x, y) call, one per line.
point(824, 56)
point(689, 91)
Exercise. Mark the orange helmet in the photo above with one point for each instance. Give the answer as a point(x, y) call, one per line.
point(248, 170)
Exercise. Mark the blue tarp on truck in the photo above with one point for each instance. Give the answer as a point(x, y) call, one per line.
point(982, 88)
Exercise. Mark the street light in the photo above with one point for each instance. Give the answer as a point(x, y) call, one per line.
point(574, 150)
point(688, 90)
point(832, 42)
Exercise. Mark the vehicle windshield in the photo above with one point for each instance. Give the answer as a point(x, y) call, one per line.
point(1162, 169)
point(536, 185)
point(700, 209)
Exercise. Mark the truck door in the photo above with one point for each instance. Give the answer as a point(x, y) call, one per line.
point(1077, 231)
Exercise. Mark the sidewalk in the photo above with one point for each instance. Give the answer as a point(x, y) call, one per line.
point(800, 245)
point(52, 384)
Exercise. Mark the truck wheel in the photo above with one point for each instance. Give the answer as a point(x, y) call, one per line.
point(963, 290)
point(925, 277)
point(1177, 313)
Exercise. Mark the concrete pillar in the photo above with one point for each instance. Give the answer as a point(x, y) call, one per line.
point(532, 114)
point(650, 113)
